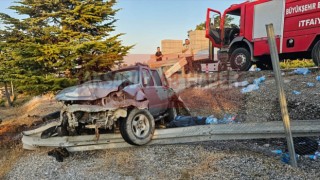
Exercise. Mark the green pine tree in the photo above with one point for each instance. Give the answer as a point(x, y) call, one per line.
point(228, 23)
point(55, 36)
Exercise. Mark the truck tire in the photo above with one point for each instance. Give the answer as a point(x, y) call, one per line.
point(138, 127)
point(316, 54)
point(240, 59)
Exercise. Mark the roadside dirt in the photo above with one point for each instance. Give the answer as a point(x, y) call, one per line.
point(18, 119)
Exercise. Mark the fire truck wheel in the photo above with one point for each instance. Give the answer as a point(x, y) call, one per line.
point(316, 54)
point(138, 127)
point(240, 59)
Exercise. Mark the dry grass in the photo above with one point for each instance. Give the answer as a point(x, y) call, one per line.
point(9, 157)
point(20, 118)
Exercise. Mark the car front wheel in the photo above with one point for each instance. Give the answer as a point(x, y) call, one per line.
point(138, 127)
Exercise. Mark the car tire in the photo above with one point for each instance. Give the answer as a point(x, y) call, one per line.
point(240, 59)
point(138, 127)
point(316, 54)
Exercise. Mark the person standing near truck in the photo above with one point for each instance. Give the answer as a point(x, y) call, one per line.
point(188, 54)
point(158, 54)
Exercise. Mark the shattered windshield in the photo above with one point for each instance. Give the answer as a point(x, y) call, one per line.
point(131, 75)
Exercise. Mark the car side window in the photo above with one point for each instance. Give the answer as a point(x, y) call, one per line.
point(146, 78)
point(156, 77)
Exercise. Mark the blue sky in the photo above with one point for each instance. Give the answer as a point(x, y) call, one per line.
point(147, 22)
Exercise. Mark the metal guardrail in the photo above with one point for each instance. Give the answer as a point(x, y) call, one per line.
point(32, 140)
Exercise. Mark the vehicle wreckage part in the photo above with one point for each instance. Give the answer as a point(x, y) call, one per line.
point(71, 120)
point(100, 116)
point(51, 132)
point(63, 129)
point(59, 154)
point(40, 129)
point(32, 140)
point(138, 127)
point(172, 111)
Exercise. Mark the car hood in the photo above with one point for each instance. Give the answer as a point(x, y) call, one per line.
point(91, 90)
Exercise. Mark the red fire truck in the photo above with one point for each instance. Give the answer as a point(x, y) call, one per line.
point(240, 32)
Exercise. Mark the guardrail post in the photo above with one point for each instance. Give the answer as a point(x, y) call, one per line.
point(282, 98)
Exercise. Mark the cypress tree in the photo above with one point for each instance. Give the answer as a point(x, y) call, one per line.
point(53, 38)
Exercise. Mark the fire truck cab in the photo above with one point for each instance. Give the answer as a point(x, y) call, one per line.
point(240, 31)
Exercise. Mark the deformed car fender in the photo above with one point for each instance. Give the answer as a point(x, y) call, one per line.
point(140, 96)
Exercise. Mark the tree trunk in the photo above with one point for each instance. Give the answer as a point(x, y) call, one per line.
point(7, 94)
point(12, 92)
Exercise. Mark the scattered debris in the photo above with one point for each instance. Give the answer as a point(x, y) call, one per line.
point(266, 145)
point(309, 84)
point(241, 84)
point(278, 151)
point(296, 92)
point(254, 86)
point(251, 87)
point(304, 147)
point(227, 119)
point(312, 157)
point(303, 71)
point(254, 68)
point(59, 154)
point(285, 157)
point(259, 80)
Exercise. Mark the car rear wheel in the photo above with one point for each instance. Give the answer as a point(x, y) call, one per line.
point(138, 128)
point(316, 54)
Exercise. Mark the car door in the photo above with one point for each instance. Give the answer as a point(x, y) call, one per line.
point(162, 91)
point(151, 92)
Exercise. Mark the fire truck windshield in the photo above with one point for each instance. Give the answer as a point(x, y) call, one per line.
point(231, 26)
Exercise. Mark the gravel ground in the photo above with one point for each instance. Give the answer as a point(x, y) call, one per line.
point(251, 159)
point(207, 160)
point(263, 105)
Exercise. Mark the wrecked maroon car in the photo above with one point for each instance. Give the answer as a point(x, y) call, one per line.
point(131, 99)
